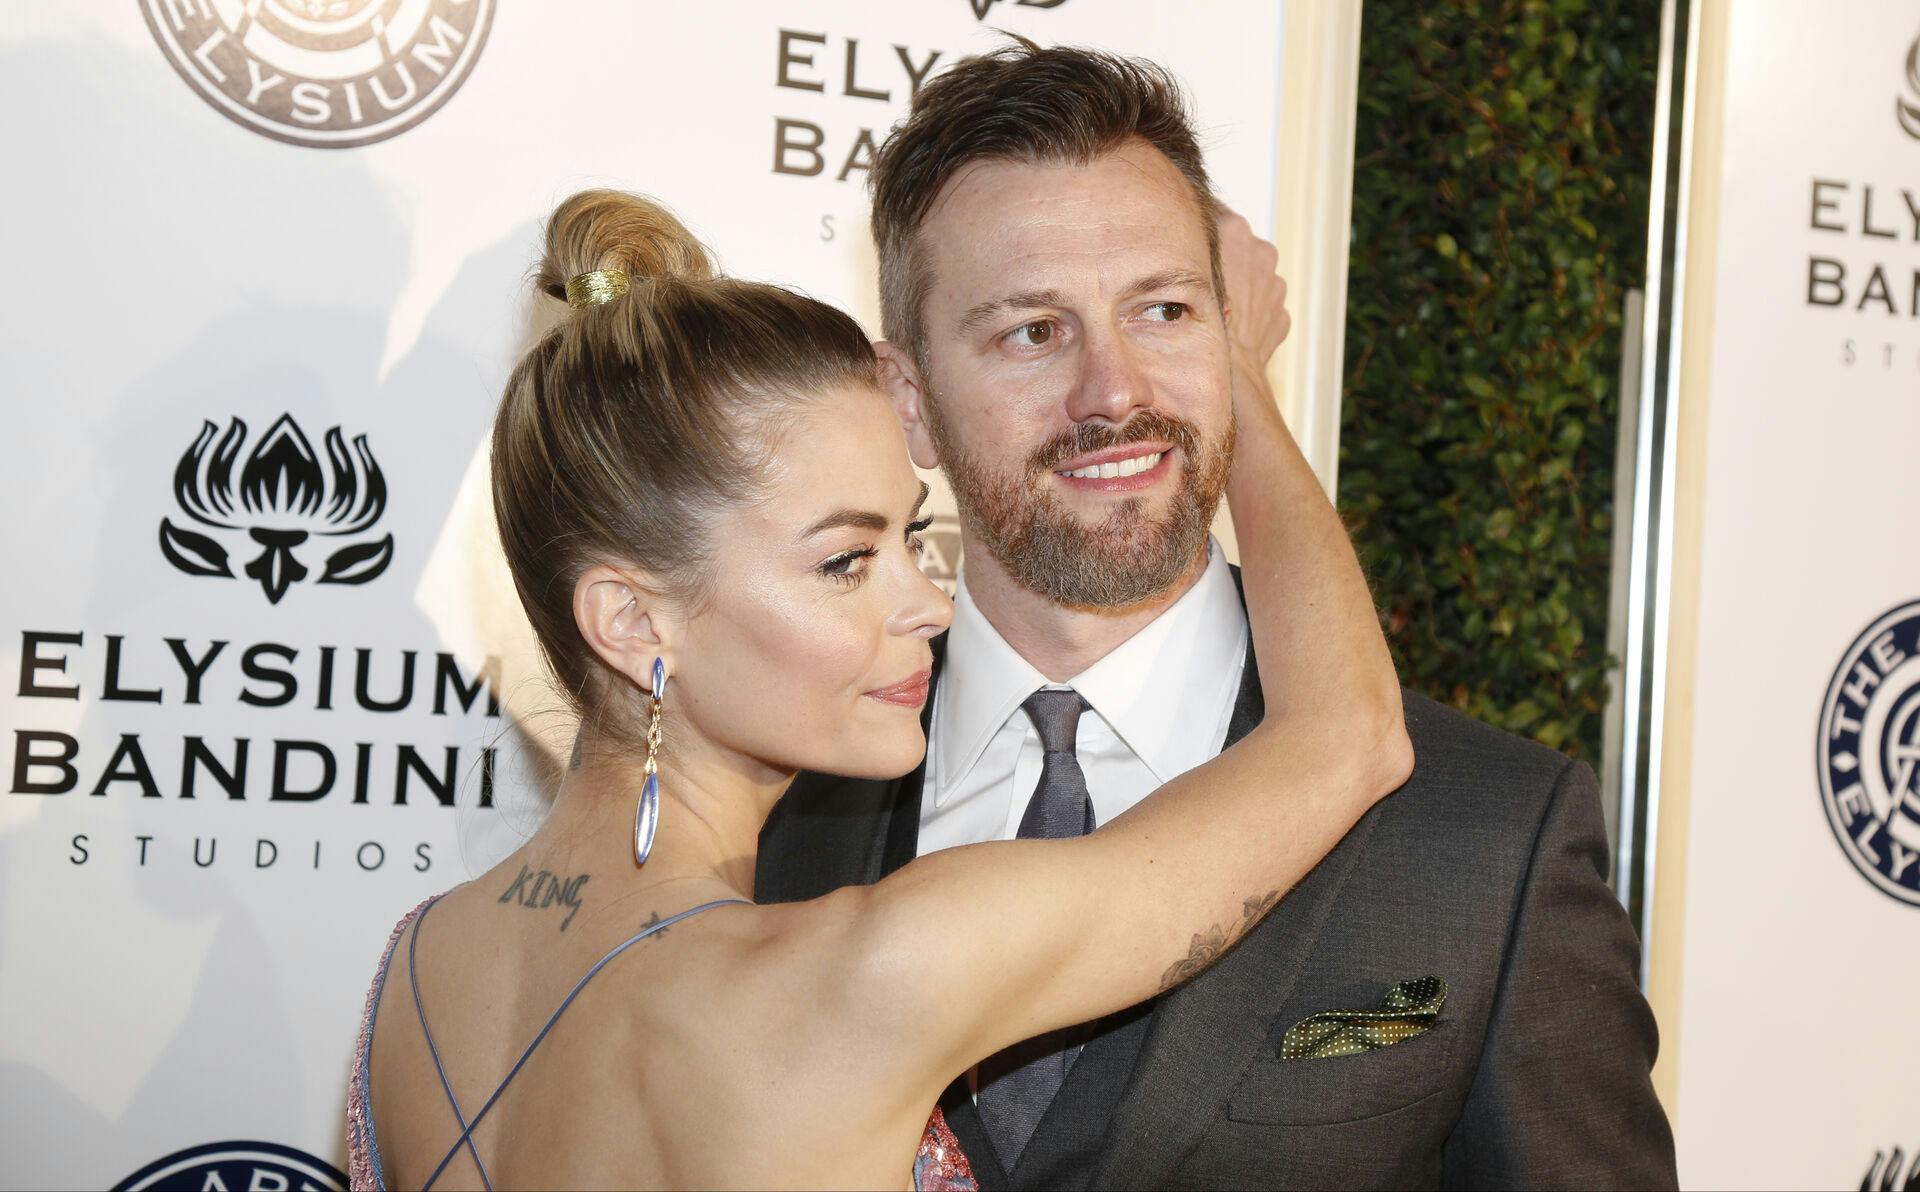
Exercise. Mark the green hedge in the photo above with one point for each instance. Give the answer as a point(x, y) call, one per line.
point(1500, 206)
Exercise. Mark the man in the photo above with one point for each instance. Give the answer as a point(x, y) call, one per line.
point(1054, 292)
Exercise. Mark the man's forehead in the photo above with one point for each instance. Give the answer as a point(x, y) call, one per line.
point(1000, 216)
point(1133, 173)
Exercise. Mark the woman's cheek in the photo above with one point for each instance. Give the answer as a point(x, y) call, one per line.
point(785, 665)
point(815, 662)
point(839, 660)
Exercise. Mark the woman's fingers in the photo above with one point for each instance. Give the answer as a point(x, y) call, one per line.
point(1256, 294)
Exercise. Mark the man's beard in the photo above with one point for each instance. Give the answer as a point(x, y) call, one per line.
point(1118, 562)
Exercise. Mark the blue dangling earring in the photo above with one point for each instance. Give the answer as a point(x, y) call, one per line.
point(646, 819)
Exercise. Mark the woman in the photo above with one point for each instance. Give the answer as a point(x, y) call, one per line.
point(711, 522)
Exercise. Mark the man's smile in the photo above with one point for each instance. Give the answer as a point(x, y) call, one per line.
point(1127, 468)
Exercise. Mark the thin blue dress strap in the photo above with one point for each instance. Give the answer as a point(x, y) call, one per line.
point(579, 985)
point(413, 978)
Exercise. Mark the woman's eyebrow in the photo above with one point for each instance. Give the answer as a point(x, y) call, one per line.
point(859, 519)
point(862, 519)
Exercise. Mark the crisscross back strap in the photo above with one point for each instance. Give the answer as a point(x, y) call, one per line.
point(467, 1128)
point(413, 979)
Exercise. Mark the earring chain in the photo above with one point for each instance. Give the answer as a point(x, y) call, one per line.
point(653, 737)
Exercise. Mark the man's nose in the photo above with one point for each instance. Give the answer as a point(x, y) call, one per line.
point(1111, 383)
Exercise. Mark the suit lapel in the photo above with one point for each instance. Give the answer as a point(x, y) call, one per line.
point(964, 1120)
point(1204, 1035)
point(1072, 1135)
point(1098, 1079)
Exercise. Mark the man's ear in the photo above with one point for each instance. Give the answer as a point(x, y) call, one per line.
point(900, 380)
point(625, 621)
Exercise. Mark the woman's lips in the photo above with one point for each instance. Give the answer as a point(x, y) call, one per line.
point(909, 692)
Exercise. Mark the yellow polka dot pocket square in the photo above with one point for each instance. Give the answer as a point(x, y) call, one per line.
point(1408, 1009)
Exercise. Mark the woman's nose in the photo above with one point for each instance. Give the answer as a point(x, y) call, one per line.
point(925, 611)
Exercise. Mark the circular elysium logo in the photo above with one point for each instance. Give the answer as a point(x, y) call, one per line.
point(1868, 753)
point(329, 74)
point(236, 1165)
point(1906, 109)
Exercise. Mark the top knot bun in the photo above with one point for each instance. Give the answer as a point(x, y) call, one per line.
point(611, 229)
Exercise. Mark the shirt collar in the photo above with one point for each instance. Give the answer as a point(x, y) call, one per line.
point(983, 682)
point(1146, 689)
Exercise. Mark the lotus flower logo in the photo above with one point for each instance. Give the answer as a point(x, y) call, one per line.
point(282, 496)
point(1908, 108)
point(982, 7)
point(1885, 1173)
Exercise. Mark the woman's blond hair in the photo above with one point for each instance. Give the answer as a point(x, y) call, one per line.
point(631, 424)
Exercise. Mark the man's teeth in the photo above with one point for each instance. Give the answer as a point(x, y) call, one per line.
point(1117, 469)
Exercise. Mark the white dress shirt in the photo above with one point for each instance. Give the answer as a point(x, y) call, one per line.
point(1160, 704)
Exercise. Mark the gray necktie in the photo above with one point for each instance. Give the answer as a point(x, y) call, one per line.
point(1017, 1085)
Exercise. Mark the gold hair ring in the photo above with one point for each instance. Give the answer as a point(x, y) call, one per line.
point(596, 289)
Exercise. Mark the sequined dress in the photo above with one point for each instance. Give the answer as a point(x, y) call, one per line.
point(939, 1166)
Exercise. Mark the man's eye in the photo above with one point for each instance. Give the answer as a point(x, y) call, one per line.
point(1169, 311)
point(1031, 335)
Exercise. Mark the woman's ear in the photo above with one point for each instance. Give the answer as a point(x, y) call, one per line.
point(625, 620)
point(900, 380)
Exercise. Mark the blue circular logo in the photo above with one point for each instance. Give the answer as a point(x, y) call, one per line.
point(1869, 753)
point(237, 1165)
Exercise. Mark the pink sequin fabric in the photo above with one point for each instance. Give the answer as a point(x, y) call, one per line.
point(363, 1160)
point(941, 1165)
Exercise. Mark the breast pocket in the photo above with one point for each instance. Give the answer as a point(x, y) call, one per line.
point(1344, 1088)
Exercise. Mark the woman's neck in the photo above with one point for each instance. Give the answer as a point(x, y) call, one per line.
point(712, 807)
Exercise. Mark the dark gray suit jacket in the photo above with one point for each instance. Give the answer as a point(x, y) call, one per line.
point(1488, 869)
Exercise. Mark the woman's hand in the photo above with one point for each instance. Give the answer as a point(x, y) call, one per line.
point(1323, 662)
point(1257, 318)
point(1256, 293)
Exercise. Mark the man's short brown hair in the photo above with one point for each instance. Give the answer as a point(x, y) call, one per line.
point(1022, 102)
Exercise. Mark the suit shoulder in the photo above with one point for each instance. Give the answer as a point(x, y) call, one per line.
point(1451, 741)
point(1470, 817)
point(1467, 773)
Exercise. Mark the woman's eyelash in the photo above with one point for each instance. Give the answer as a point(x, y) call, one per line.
point(840, 567)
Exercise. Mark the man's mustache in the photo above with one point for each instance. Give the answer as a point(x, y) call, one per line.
point(1148, 426)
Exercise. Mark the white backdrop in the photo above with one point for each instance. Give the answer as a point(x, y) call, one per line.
point(1789, 907)
point(186, 929)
